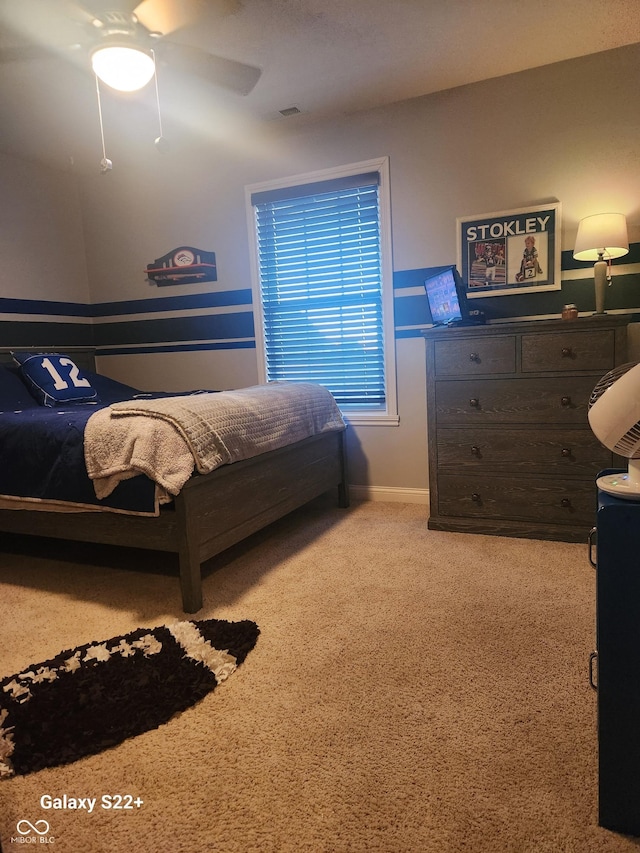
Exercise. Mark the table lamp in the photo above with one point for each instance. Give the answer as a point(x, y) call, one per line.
point(600, 238)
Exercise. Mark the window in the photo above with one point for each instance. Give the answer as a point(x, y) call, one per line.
point(323, 295)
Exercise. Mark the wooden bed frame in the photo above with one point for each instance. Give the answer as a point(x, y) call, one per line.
point(213, 511)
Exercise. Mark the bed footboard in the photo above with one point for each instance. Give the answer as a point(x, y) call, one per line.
point(249, 495)
point(213, 511)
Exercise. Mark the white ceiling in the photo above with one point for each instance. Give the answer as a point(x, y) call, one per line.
point(325, 57)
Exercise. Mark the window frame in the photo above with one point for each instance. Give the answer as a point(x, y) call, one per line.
point(387, 416)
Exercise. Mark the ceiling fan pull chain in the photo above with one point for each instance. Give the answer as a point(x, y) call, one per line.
point(160, 142)
point(105, 164)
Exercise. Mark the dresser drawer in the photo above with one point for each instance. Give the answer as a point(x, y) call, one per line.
point(573, 452)
point(570, 351)
point(510, 447)
point(475, 356)
point(527, 499)
point(556, 400)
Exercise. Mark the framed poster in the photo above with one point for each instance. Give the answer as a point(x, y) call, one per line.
point(512, 251)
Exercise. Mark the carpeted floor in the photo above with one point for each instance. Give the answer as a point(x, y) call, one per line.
point(412, 691)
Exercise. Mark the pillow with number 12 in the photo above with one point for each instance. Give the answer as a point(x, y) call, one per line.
point(54, 379)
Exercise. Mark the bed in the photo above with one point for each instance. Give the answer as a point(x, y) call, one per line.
point(212, 511)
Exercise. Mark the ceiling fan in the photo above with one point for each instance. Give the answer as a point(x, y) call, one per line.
point(88, 31)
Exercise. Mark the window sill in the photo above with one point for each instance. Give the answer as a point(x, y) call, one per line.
point(372, 419)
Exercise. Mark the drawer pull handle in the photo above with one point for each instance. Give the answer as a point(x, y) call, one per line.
point(565, 401)
point(593, 670)
point(566, 452)
point(474, 357)
point(474, 402)
point(593, 542)
point(565, 502)
point(567, 352)
point(475, 450)
point(475, 497)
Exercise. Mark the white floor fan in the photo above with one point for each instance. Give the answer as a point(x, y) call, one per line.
point(614, 417)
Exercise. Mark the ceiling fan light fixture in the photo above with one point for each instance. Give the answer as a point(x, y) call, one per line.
point(123, 67)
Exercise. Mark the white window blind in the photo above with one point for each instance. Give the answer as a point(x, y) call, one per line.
point(320, 270)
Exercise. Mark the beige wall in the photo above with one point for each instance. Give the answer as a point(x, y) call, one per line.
point(42, 254)
point(568, 132)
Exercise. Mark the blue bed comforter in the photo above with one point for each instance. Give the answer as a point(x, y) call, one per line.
point(42, 457)
point(42, 447)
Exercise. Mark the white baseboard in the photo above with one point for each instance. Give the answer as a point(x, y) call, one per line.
point(389, 494)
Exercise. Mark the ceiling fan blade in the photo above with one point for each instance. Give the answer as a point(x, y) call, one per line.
point(167, 16)
point(97, 8)
point(53, 25)
point(227, 73)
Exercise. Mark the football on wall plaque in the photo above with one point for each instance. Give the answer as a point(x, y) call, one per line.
point(184, 265)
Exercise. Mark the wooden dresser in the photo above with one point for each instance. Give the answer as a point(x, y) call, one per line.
point(510, 447)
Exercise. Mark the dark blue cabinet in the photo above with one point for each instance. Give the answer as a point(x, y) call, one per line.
point(618, 662)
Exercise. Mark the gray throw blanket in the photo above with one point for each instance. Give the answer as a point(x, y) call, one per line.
point(166, 438)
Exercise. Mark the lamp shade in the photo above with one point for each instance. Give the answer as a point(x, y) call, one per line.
point(126, 69)
point(603, 235)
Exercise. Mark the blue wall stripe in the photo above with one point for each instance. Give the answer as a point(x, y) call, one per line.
point(214, 299)
point(403, 334)
point(50, 335)
point(217, 299)
point(235, 329)
point(412, 311)
point(415, 278)
point(43, 306)
point(624, 293)
point(209, 327)
point(177, 348)
point(569, 263)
